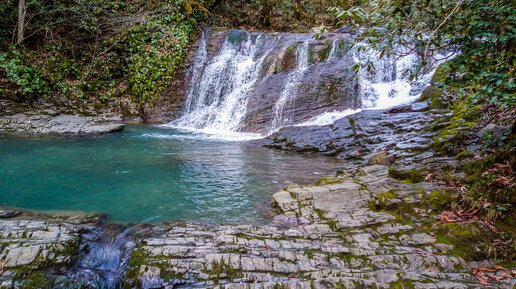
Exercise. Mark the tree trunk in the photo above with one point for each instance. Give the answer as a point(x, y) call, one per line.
point(21, 21)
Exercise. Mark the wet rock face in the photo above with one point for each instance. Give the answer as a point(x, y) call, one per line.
point(323, 87)
point(361, 135)
point(322, 82)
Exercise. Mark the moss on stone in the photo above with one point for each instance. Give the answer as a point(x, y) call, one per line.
point(465, 154)
point(223, 270)
point(468, 239)
point(138, 258)
point(402, 284)
point(324, 53)
point(383, 198)
point(31, 279)
point(439, 74)
point(433, 96)
point(414, 175)
point(440, 199)
point(288, 60)
point(329, 180)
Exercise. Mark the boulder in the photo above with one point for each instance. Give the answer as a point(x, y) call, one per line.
point(498, 131)
point(381, 158)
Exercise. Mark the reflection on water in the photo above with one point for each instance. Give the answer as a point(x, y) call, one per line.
point(150, 172)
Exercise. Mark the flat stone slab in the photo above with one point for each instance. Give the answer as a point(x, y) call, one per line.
point(62, 124)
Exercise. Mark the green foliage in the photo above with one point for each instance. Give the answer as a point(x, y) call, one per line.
point(276, 15)
point(27, 79)
point(481, 35)
point(154, 52)
point(112, 51)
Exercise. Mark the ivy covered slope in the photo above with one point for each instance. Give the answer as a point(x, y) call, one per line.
point(122, 53)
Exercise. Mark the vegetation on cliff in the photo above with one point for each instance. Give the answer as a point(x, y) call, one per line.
point(118, 51)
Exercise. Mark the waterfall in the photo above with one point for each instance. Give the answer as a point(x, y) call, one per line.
point(218, 89)
point(291, 84)
point(389, 83)
point(248, 85)
point(196, 72)
point(334, 49)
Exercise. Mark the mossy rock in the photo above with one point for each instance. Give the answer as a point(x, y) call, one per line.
point(288, 60)
point(34, 280)
point(414, 175)
point(329, 180)
point(448, 147)
point(470, 240)
point(385, 199)
point(441, 199)
point(465, 154)
point(439, 74)
point(434, 96)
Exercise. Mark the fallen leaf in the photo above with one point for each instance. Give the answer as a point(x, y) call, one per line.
point(486, 269)
point(493, 228)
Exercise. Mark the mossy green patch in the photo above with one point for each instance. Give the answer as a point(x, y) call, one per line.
point(383, 198)
point(440, 199)
point(329, 180)
point(468, 239)
point(222, 270)
point(414, 175)
point(31, 279)
point(433, 96)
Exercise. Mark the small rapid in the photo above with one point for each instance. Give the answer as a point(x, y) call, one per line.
point(103, 263)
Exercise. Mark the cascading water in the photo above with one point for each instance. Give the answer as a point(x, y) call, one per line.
point(105, 261)
point(389, 83)
point(196, 72)
point(291, 84)
point(217, 97)
point(249, 86)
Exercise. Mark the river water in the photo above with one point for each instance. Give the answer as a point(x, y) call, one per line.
point(149, 172)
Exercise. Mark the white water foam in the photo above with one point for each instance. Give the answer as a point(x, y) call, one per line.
point(328, 118)
point(217, 98)
point(205, 134)
point(389, 83)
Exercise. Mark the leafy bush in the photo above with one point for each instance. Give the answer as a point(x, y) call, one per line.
point(479, 33)
point(112, 51)
point(28, 79)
